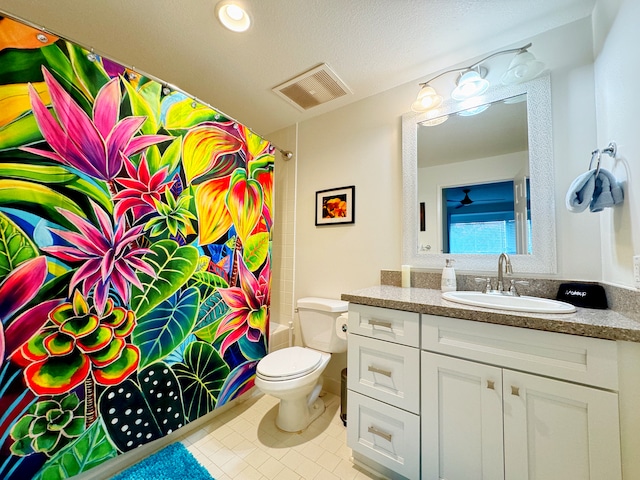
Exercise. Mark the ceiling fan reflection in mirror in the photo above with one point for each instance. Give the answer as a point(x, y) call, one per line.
point(466, 200)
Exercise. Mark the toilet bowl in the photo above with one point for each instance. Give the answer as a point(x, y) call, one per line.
point(294, 374)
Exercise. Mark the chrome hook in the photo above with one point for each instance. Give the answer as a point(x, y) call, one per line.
point(611, 150)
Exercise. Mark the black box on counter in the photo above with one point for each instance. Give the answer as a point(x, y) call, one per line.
point(587, 295)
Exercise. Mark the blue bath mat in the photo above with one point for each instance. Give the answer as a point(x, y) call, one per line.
point(171, 463)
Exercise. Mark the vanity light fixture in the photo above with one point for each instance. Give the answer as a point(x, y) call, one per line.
point(523, 67)
point(233, 16)
point(428, 99)
point(472, 82)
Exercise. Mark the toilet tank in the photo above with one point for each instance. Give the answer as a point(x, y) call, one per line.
point(318, 323)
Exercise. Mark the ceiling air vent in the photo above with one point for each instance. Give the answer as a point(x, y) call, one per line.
point(315, 87)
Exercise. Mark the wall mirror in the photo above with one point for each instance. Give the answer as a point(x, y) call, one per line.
point(480, 184)
point(485, 178)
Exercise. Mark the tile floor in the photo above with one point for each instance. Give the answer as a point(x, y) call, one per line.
point(243, 443)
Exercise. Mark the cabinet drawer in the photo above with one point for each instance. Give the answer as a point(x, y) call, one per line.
point(590, 361)
point(385, 371)
point(385, 324)
point(385, 434)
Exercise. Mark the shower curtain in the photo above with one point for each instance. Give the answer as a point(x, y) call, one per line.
point(135, 245)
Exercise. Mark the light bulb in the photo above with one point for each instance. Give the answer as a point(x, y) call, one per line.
point(427, 99)
point(233, 16)
point(470, 84)
point(234, 12)
point(523, 67)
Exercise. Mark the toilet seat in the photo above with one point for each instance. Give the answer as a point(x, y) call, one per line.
point(288, 364)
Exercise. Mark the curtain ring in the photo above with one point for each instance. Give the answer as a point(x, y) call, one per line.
point(595, 154)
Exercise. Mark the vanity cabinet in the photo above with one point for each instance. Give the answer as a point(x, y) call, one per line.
point(509, 403)
point(440, 398)
point(383, 398)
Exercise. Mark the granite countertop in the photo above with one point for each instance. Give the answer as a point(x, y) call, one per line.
point(587, 322)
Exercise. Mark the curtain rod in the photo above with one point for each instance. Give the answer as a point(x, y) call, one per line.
point(287, 154)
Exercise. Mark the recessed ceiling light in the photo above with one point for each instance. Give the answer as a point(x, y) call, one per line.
point(233, 16)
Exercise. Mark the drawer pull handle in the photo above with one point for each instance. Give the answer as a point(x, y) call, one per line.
point(373, 369)
point(380, 323)
point(375, 431)
point(515, 391)
point(491, 385)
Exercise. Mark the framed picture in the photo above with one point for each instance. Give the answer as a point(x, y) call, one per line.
point(335, 206)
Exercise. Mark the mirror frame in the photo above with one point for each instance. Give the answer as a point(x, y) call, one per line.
point(542, 187)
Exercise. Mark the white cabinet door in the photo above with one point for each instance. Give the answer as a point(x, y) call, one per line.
point(462, 437)
point(555, 430)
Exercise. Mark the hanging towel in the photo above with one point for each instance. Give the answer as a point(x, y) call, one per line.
point(607, 191)
point(581, 191)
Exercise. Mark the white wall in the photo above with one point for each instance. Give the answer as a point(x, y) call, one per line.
point(617, 69)
point(358, 145)
point(574, 137)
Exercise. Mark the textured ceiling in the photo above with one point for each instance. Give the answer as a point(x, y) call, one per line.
point(373, 45)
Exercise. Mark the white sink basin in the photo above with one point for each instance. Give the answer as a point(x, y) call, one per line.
point(508, 302)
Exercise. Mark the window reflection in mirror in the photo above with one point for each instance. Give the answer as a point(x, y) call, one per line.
point(483, 218)
point(487, 155)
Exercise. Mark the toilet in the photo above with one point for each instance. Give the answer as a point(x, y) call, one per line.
point(294, 374)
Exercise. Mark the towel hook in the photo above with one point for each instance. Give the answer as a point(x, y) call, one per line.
point(611, 150)
point(595, 154)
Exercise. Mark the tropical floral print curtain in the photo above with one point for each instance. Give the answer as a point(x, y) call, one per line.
point(135, 252)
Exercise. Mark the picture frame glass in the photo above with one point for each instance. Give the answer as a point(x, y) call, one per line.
point(335, 206)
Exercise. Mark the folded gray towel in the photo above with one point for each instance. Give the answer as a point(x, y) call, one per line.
point(607, 191)
point(581, 191)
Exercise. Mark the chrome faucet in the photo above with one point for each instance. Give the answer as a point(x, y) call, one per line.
point(504, 265)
